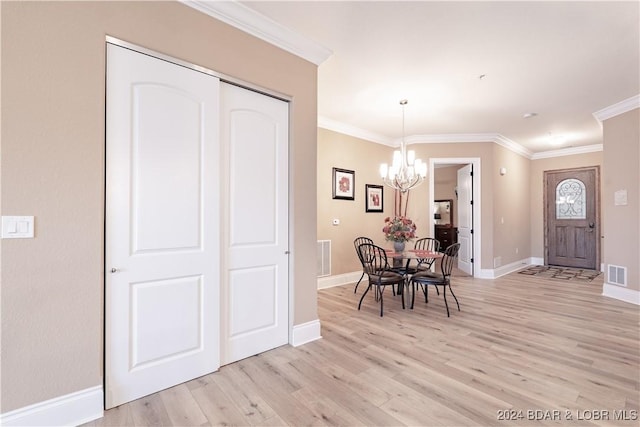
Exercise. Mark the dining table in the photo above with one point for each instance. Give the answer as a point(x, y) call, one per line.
point(422, 256)
point(402, 260)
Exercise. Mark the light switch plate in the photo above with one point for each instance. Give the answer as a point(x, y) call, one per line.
point(17, 227)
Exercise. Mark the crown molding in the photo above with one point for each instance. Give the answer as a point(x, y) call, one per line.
point(513, 146)
point(617, 109)
point(340, 127)
point(459, 138)
point(258, 25)
point(568, 151)
point(454, 138)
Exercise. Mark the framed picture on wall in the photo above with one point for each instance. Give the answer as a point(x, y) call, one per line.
point(374, 194)
point(344, 182)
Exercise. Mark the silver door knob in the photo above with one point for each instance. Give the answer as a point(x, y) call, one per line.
point(114, 270)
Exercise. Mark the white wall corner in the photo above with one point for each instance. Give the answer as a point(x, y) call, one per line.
point(339, 279)
point(70, 410)
point(484, 273)
point(621, 293)
point(536, 261)
point(305, 333)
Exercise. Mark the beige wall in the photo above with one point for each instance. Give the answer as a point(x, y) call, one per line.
point(420, 197)
point(338, 150)
point(53, 85)
point(512, 205)
point(538, 167)
point(363, 157)
point(511, 200)
point(622, 166)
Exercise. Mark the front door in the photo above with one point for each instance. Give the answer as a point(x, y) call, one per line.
point(162, 248)
point(465, 219)
point(572, 217)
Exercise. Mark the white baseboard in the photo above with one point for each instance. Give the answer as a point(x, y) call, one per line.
point(305, 333)
point(510, 268)
point(620, 293)
point(70, 410)
point(338, 279)
point(505, 269)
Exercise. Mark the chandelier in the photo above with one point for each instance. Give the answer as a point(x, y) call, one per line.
point(406, 172)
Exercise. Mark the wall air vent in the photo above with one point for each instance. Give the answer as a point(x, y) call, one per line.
point(324, 258)
point(617, 275)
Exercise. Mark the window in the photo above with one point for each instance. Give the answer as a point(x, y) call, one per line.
point(571, 200)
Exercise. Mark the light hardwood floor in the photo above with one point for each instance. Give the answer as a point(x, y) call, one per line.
point(519, 344)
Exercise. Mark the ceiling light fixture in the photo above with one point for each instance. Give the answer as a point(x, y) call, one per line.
point(406, 172)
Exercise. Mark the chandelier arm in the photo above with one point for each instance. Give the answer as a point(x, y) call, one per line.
point(403, 175)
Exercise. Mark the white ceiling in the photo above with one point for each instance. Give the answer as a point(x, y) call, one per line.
point(561, 60)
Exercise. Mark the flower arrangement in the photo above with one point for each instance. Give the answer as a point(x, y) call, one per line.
point(399, 229)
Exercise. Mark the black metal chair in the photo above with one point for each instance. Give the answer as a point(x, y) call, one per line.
point(357, 242)
point(425, 279)
point(374, 260)
point(426, 244)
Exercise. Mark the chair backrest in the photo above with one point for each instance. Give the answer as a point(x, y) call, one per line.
point(374, 258)
point(450, 255)
point(427, 244)
point(359, 241)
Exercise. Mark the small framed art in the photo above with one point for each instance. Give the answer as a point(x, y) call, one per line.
point(374, 194)
point(344, 182)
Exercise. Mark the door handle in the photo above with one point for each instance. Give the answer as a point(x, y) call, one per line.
point(592, 225)
point(114, 270)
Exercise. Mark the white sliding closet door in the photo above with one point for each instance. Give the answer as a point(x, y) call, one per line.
point(162, 249)
point(255, 137)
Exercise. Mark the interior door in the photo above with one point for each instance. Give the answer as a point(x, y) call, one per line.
point(465, 218)
point(162, 225)
point(255, 137)
point(571, 215)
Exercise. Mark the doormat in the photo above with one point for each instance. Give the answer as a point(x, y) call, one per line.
point(561, 273)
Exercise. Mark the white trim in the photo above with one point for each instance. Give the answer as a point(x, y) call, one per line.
point(69, 410)
point(536, 261)
point(339, 279)
point(483, 273)
point(305, 333)
point(454, 138)
point(461, 138)
point(567, 151)
point(346, 129)
point(506, 269)
point(617, 108)
point(477, 204)
point(623, 294)
point(450, 138)
point(258, 25)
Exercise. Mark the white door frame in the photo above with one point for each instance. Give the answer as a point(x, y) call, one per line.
point(477, 204)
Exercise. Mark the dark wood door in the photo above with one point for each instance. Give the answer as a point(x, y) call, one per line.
point(572, 223)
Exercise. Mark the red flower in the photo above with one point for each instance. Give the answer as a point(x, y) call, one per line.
point(399, 229)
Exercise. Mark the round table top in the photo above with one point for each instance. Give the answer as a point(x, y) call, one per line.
point(413, 253)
